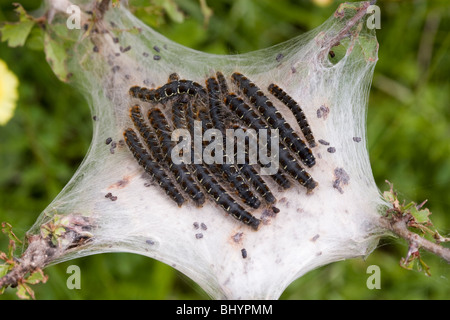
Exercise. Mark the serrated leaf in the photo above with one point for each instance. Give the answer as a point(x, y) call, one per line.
point(391, 197)
point(35, 40)
point(421, 216)
point(15, 34)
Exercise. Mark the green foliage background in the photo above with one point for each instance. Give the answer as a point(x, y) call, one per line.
point(408, 132)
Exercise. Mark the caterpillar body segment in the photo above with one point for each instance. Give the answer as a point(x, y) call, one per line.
point(232, 174)
point(287, 162)
point(220, 196)
point(215, 104)
point(296, 110)
point(180, 171)
point(169, 91)
point(212, 187)
point(274, 118)
point(222, 83)
point(147, 133)
point(152, 167)
point(258, 183)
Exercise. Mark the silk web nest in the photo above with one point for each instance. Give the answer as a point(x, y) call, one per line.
point(117, 202)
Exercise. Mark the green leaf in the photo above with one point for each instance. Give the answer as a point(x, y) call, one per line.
point(37, 277)
point(369, 47)
point(421, 216)
point(4, 268)
point(425, 268)
point(45, 231)
point(24, 291)
point(407, 264)
point(56, 56)
point(15, 34)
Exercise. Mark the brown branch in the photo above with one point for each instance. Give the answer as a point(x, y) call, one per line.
point(399, 227)
point(42, 250)
point(362, 11)
point(38, 254)
point(328, 43)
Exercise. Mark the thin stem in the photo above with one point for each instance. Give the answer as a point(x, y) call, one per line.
point(328, 43)
point(37, 255)
point(398, 227)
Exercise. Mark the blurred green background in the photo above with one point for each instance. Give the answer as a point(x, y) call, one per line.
point(408, 133)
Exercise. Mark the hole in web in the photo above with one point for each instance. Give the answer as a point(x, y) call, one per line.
point(338, 52)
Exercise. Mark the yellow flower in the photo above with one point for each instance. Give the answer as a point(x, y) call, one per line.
point(322, 3)
point(8, 93)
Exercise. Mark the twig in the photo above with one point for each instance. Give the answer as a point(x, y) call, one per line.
point(328, 43)
point(398, 227)
point(38, 254)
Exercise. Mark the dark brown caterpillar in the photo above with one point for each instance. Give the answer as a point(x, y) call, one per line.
point(151, 167)
point(213, 188)
point(150, 139)
point(180, 171)
point(249, 116)
point(222, 83)
point(274, 118)
point(223, 199)
point(281, 95)
point(253, 177)
point(215, 90)
point(251, 119)
point(258, 183)
point(215, 104)
point(232, 174)
point(168, 91)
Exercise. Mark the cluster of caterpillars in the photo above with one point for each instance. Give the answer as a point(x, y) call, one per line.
point(236, 187)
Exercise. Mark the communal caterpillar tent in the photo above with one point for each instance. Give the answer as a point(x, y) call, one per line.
point(260, 232)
